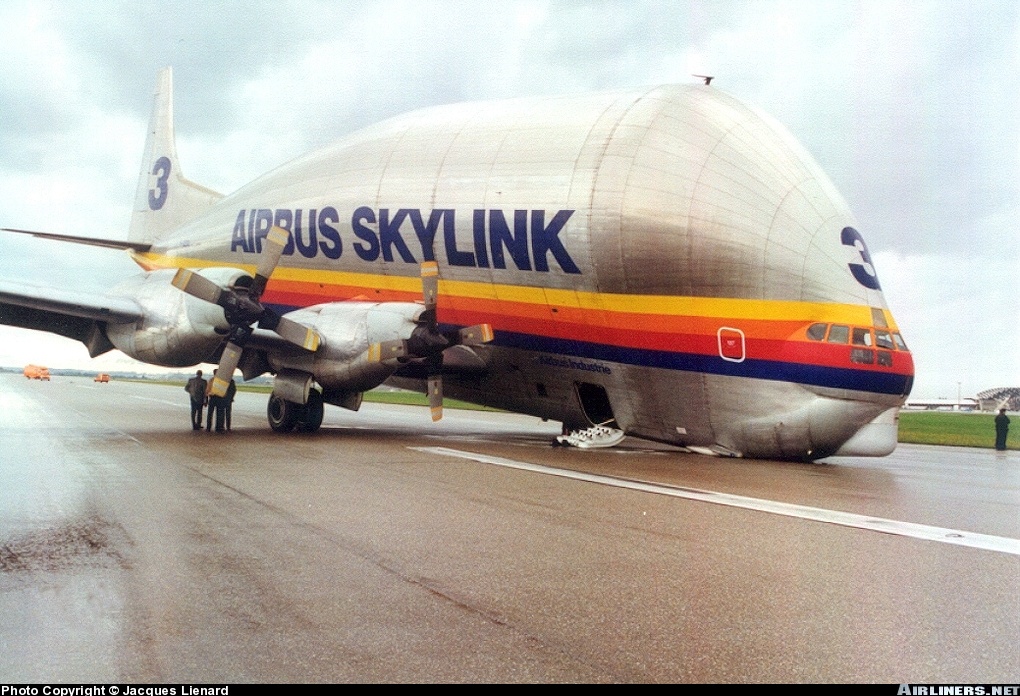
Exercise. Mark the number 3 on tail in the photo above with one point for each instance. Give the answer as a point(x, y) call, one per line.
point(157, 195)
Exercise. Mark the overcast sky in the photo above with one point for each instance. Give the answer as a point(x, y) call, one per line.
point(912, 108)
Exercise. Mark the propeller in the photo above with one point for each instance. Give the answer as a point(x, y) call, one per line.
point(427, 342)
point(242, 309)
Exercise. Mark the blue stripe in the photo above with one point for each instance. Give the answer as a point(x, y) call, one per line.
point(799, 373)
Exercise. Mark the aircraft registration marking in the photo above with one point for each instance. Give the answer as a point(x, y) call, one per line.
point(913, 530)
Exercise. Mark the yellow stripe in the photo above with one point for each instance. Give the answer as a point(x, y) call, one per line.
point(666, 305)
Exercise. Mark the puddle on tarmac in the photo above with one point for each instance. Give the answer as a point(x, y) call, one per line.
point(90, 542)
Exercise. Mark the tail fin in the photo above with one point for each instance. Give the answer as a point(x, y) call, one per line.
point(165, 200)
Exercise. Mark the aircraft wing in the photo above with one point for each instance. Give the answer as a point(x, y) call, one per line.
point(70, 314)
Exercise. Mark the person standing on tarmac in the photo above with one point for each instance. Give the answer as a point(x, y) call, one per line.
point(196, 390)
point(216, 407)
point(1001, 429)
point(228, 402)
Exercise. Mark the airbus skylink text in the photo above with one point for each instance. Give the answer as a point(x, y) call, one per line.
point(527, 239)
point(113, 690)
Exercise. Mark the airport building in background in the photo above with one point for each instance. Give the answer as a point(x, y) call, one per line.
point(989, 400)
point(999, 397)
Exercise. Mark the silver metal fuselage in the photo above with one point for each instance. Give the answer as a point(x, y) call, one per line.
point(654, 256)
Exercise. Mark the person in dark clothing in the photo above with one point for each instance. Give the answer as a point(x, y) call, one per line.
point(1001, 429)
point(216, 408)
point(196, 390)
point(228, 402)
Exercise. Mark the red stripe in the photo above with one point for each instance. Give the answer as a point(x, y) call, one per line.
point(764, 339)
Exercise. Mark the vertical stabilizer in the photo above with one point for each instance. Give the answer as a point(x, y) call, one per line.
point(165, 200)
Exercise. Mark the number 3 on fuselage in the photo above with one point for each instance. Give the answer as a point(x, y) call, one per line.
point(863, 272)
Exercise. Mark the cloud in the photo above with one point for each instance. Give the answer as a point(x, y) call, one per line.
point(959, 316)
point(910, 107)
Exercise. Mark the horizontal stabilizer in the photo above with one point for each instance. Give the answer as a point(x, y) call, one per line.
point(90, 241)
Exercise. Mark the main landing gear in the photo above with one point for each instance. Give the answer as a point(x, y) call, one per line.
point(285, 416)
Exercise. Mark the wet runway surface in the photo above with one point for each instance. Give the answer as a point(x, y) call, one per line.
point(385, 548)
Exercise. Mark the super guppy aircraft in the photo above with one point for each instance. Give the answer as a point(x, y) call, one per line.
point(667, 261)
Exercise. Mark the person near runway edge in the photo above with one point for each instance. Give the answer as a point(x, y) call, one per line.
point(1001, 429)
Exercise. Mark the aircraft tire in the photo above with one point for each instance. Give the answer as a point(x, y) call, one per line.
point(310, 417)
point(282, 414)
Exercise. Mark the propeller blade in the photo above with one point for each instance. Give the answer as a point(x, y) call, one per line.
point(241, 308)
point(298, 334)
point(272, 249)
point(197, 286)
point(436, 397)
point(225, 370)
point(475, 335)
point(435, 385)
point(387, 350)
point(430, 284)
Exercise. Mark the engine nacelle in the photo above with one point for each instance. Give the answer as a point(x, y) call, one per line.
point(348, 329)
point(178, 330)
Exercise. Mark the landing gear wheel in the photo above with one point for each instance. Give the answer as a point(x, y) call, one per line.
point(282, 414)
point(310, 416)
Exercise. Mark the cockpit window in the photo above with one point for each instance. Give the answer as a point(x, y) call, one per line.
point(816, 332)
point(862, 337)
point(883, 339)
point(839, 334)
point(867, 337)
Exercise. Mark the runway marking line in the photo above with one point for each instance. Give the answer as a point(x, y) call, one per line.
point(180, 404)
point(925, 532)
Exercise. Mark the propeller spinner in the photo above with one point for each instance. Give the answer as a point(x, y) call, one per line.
point(242, 309)
point(427, 342)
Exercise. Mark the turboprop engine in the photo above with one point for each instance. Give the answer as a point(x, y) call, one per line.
point(348, 358)
point(177, 330)
point(363, 343)
point(347, 347)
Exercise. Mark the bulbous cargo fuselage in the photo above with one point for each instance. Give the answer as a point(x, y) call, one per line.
point(669, 259)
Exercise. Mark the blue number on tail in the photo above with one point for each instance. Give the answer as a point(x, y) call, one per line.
point(157, 196)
